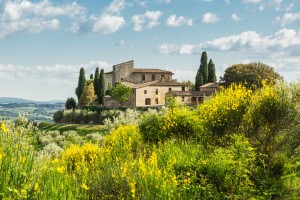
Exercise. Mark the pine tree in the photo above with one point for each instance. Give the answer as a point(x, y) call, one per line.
point(81, 83)
point(211, 72)
point(203, 67)
point(96, 81)
point(101, 88)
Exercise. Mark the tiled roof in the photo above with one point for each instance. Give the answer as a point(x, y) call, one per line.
point(210, 85)
point(186, 93)
point(144, 70)
point(168, 83)
point(139, 85)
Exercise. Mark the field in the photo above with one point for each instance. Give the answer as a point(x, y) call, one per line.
point(240, 144)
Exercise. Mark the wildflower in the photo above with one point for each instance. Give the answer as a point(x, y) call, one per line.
point(3, 128)
point(36, 186)
point(84, 186)
point(132, 186)
point(55, 160)
point(61, 169)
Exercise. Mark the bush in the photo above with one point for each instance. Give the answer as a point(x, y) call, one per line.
point(58, 116)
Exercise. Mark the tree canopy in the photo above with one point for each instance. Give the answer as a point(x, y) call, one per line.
point(101, 88)
point(70, 103)
point(121, 93)
point(251, 75)
point(211, 72)
point(88, 96)
point(81, 83)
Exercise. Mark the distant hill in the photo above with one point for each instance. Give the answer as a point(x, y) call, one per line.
point(7, 100)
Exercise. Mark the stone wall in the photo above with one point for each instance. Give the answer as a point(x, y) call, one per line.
point(138, 77)
point(122, 71)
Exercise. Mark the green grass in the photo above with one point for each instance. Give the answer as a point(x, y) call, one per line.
point(81, 129)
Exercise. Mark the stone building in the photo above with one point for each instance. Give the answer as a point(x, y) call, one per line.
point(150, 86)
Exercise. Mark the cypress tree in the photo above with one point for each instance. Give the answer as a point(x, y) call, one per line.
point(211, 72)
point(96, 81)
point(81, 83)
point(198, 80)
point(203, 67)
point(101, 88)
point(91, 77)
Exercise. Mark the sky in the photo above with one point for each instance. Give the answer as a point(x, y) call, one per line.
point(44, 43)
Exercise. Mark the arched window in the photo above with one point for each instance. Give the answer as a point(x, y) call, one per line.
point(147, 101)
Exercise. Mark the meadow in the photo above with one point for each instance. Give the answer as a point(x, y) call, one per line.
point(240, 144)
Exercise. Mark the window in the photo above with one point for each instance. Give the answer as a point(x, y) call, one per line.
point(183, 88)
point(200, 99)
point(143, 77)
point(182, 99)
point(156, 100)
point(156, 92)
point(148, 101)
point(132, 91)
point(145, 91)
point(153, 77)
point(170, 89)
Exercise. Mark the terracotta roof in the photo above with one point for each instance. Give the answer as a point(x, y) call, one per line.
point(186, 93)
point(139, 85)
point(210, 85)
point(169, 83)
point(144, 70)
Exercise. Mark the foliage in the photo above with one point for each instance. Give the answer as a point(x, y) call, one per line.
point(70, 103)
point(58, 116)
point(190, 85)
point(121, 93)
point(96, 81)
point(224, 112)
point(203, 67)
point(81, 84)
point(88, 96)
point(211, 72)
point(251, 75)
point(101, 88)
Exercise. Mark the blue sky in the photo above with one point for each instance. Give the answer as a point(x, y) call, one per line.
point(44, 43)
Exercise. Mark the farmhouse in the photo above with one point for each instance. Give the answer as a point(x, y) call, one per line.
point(150, 86)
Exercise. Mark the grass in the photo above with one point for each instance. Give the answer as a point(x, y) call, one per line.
point(81, 129)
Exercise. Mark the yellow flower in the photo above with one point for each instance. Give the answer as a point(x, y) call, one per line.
point(55, 160)
point(61, 169)
point(3, 128)
point(36, 186)
point(84, 186)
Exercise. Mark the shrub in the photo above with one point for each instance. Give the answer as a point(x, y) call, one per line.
point(58, 116)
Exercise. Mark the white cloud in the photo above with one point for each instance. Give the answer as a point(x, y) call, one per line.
point(163, 1)
point(24, 15)
point(287, 18)
point(227, 1)
point(251, 1)
point(235, 17)
point(151, 17)
point(286, 40)
point(107, 24)
point(209, 18)
point(172, 21)
point(29, 81)
point(271, 3)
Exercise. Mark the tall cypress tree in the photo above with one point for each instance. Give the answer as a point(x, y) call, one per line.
point(96, 81)
point(198, 80)
point(203, 67)
point(81, 83)
point(211, 72)
point(101, 88)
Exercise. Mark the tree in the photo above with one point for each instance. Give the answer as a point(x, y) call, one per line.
point(96, 80)
point(203, 67)
point(101, 88)
point(88, 96)
point(81, 83)
point(202, 73)
point(121, 93)
point(251, 75)
point(211, 72)
point(70, 103)
point(91, 77)
point(190, 84)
